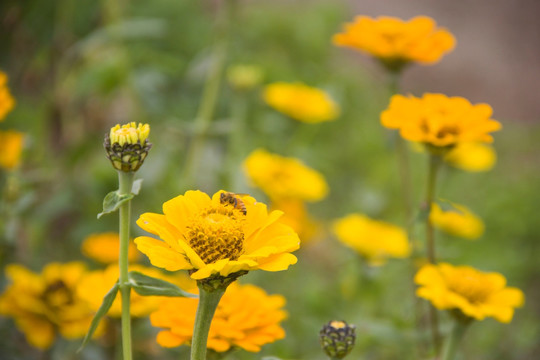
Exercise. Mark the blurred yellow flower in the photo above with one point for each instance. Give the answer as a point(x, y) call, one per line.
point(215, 238)
point(472, 157)
point(46, 304)
point(6, 100)
point(11, 144)
point(246, 317)
point(474, 293)
point(94, 285)
point(374, 240)
point(297, 217)
point(301, 102)
point(396, 42)
point(458, 221)
point(105, 247)
point(438, 120)
point(284, 178)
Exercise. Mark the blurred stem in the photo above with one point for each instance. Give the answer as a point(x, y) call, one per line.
point(434, 165)
point(208, 102)
point(208, 302)
point(452, 343)
point(125, 180)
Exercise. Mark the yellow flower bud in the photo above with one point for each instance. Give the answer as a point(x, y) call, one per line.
point(127, 146)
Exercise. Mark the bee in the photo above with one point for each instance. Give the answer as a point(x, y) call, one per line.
point(229, 198)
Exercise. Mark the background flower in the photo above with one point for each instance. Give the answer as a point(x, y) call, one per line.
point(475, 293)
point(11, 144)
point(396, 42)
point(301, 102)
point(374, 240)
point(213, 238)
point(457, 220)
point(6, 100)
point(284, 178)
point(439, 120)
point(105, 247)
point(246, 317)
point(46, 304)
point(472, 157)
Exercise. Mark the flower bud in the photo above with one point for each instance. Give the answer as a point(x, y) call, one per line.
point(127, 146)
point(337, 339)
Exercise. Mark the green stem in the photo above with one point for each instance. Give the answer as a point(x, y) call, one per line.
point(434, 164)
point(452, 343)
point(125, 180)
point(208, 302)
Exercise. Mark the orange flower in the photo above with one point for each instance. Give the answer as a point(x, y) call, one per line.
point(11, 144)
point(105, 247)
point(439, 120)
point(6, 100)
point(396, 42)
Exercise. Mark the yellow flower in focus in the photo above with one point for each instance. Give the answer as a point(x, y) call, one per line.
point(472, 157)
point(212, 238)
point(105, 247)
point(246, 317)
point(438, 120)
point(374, 240)
point(474, 293)
point(458, 221)
point(11, 144)
point(94, 285)
point(284, 178)
point(7, 102)
point(297, 217)
point(130, 133)
point(301, 102)
point(46, 304)
point(396, 42)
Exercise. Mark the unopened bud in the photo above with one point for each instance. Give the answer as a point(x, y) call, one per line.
point(337, 339)
point(127, 146)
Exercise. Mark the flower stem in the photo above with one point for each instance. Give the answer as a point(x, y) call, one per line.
point(125, 180)
point(208, 302)
point(453, 341)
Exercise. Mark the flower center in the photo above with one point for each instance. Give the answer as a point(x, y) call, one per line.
point(217, 233)
point(471, 286)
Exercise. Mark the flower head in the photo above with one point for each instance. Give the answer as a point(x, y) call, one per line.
point(284, 178)
point(472, 156)
point(11, 144)
point(457, 221)
point(46, 304)
point(105, 247)
point(439, 121)
point(374, 240)
point(95, 285)
point(213, 238)
point(6, 100)
point(301, 102)
point(127, 146)
point(475, 294)
point(396, 42)
point(337, 339)
point(246, 317)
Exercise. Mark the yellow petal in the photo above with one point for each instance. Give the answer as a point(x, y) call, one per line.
point(161, 254)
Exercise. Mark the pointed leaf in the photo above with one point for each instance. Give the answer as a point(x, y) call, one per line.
point(148, 286)
point(112, 202)
point(136, 188)
point(108, 300)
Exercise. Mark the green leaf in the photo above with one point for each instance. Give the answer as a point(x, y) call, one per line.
point(136, 188)
point(108, 300)
point(148, 286)
point(112, 202)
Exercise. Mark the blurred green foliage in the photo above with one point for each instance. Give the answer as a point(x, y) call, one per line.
point(78, 68)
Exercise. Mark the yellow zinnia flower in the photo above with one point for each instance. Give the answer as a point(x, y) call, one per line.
point(11, 144)
point(474, 293)
point(246, 317)
point(211, 238)
point(94, 285)
point(301, 102)
point(45, 304)
point(457, 221)
point(105, 247)
point(396, 42)
point(6, 100)
point(284, 178)
point(472, 157)
point(438, 120)
point(374, 240)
